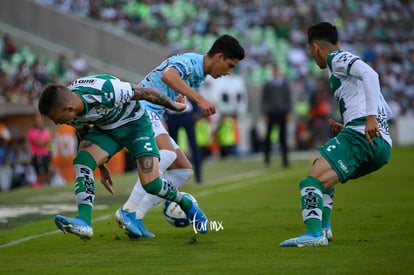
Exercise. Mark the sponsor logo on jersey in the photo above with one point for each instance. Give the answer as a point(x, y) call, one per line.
point(83, 81)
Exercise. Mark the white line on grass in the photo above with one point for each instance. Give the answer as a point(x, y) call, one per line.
point(246, 179)
point(25, 239)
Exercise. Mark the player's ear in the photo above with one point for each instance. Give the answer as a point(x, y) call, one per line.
point(69, 108)
point(219, 57)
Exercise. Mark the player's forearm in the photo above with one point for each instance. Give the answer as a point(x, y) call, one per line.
point(190, 93)
point(174, 82)
point(153, 96)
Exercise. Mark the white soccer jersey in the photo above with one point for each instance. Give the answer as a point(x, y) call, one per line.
point(108, 102)
point(357, 91)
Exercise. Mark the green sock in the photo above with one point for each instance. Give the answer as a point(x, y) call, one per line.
point(84, 165)
point(85, 196)
point(85, 213)
point(164, 189)
point(328, 195)
point(312, 203)
point(186, 204)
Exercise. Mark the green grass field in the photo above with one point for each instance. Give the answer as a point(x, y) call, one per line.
point(372, 221)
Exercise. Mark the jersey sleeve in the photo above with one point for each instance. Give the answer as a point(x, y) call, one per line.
point(116, 92)
point(370, 80)
point(183, 66)
point(342, 62)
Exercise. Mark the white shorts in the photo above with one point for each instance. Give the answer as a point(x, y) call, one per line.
point(159, 129)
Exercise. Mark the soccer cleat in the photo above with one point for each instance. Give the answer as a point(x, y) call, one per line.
point(144, 231)
point(308, 239)
point(197, 216)
point(126, 221)
point(133, 227)
point(75, 226)
point(327, 232)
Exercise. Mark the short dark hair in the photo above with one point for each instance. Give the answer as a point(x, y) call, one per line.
point(323, 31)
point(229, 46)
point(52, 96)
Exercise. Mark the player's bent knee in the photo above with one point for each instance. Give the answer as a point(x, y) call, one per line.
point(85, 158)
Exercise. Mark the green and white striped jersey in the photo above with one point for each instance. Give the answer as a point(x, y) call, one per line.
point(108, 102)
point(356, 88)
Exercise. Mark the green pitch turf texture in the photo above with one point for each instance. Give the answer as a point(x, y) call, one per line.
point(257, 208)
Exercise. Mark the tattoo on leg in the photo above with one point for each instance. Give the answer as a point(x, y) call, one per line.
point(146, 164)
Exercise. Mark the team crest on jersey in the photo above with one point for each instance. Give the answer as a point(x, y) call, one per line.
point(102, 110)
point(343, 58)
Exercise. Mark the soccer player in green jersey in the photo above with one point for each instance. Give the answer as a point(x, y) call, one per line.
point(362, 143)
point(112, 108)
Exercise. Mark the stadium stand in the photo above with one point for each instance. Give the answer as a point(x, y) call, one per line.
point(378, 30)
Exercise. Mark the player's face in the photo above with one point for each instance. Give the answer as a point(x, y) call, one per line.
point(315, 50)
point(64, 116)
point(222, 67)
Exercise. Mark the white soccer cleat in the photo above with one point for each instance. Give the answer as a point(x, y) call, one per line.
point(327, 232)
point(307, 239)
point(75, 226)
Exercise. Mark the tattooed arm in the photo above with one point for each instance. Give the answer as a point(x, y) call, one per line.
point(152, 95)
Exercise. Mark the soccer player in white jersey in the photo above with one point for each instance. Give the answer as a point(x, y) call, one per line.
point(362, 142)
point(180, 73)
point(112, 107)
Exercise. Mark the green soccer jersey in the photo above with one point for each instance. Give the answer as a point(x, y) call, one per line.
point(357, 98)
point(108, 102)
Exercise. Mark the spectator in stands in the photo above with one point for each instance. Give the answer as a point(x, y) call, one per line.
point(6, 173)
point(78, 64)
point(5, 132)
point(39, 138)
point(9, 47)
point(24, 173)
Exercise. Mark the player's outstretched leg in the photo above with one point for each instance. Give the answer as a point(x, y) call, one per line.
point(81, 225)
point(165, 189)
point(130, 216)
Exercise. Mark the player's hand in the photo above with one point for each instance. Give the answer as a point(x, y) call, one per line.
point(181, 103)
point(372, 129)
point(335, 126)
point(106, 179)
point(207, 108)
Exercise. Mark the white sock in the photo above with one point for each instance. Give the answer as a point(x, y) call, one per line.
point(167, 157)
point(177, 177)
point(138, 193)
